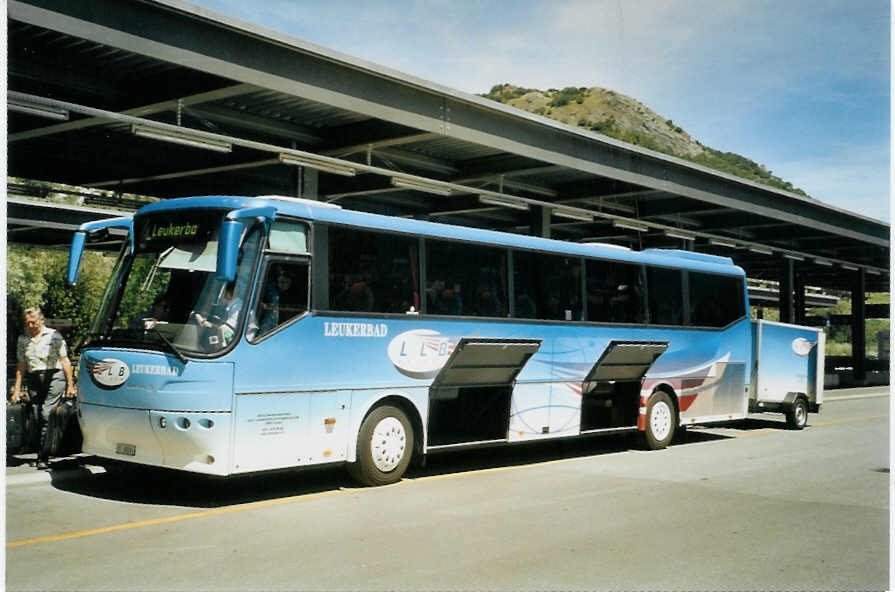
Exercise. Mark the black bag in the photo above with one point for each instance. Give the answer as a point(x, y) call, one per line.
point(61, 427)
point(22, 428)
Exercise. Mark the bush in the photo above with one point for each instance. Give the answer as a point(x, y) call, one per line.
point(567, 95)
point(36, 277)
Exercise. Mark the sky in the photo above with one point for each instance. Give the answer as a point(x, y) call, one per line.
point(800, 86)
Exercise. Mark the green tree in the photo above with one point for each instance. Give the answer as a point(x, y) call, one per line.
point(36, 277)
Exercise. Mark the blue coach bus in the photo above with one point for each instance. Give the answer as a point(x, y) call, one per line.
point(242, 334)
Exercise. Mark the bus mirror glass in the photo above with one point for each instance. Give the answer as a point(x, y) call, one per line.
point(74, 257)
point(228, 249)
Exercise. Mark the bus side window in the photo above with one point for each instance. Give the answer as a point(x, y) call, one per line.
point(715, 300)
point(666, 300)
point(614, 292)
point(467, 280)
point(372, 271)
point(283, 295)
point(547, 286)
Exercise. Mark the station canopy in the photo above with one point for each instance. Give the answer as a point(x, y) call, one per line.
point(167, 99)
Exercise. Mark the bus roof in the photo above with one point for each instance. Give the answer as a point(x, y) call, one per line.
point(328, 213)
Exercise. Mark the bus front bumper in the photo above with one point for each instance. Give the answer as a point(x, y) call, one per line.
point(188, 441)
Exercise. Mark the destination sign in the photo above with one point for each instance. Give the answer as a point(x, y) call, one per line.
point(157, 232)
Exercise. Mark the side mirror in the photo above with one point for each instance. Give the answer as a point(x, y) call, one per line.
point(228, 249)
point(79, 241)
point(231, 233)
point(74, 257)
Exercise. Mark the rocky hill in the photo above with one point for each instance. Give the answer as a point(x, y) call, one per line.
point(618, 116)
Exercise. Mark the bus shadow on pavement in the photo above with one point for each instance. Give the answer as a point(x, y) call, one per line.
point(164, 487)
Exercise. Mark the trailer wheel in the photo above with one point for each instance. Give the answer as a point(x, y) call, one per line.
point(797, 415)
point(661, 421)
point(384, 447)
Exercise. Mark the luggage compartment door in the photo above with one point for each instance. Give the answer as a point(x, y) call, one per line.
point(610, 393)
point(469, 400)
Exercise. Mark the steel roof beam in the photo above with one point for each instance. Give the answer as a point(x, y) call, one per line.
point(264, 125)
point(382, 143)
point(509, 184)
point(419, 161)
point(171, 105)
point(189, 173)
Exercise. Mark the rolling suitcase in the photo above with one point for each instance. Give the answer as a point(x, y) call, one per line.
point(15, 428)
point(22, 428)
point(61, 439)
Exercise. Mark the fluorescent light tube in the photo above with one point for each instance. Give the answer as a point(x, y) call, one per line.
point(505, 203)
point(421, 186)
point(30, 108)
point(761, 250)
point(721, 243)
point(184, 138)
point(823, 262)
point(319, 164)
point(630, 225)
point(573, 215)
point(680, 235)
point(793, 257)
point(849, 267)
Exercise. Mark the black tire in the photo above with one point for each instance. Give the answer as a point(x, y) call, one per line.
point(797, 414)
point(384, 461)
point(661, 421)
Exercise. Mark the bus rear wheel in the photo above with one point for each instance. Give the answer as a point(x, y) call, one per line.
point(661, 420)
point(384, 447)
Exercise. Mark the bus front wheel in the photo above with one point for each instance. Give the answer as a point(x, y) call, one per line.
point(661, 420)
point(384, 447)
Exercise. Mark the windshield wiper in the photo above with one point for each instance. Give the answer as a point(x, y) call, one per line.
point(171, 347)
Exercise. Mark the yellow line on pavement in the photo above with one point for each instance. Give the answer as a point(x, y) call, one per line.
point(166, 519)
point(849, 419)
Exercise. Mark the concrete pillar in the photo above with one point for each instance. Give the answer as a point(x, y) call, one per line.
point(787, 306)
point(307, 183)
point(540, 221)
point(799, 300)
point(858, 335)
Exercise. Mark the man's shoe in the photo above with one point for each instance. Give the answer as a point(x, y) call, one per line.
point(42, 465)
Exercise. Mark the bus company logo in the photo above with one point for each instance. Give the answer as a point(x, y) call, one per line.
point(802, 347)
point(108, 373)
point(420, 353)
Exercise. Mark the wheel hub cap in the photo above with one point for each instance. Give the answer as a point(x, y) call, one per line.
point(388, 444)
point(660, 420)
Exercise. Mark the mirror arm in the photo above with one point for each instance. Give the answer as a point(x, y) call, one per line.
point(79, 241)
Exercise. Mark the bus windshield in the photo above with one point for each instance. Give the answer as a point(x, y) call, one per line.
point(166, 294)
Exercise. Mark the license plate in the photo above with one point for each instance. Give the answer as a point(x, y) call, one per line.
point(126, 449)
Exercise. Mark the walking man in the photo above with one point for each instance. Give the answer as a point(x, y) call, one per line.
point(42, 360)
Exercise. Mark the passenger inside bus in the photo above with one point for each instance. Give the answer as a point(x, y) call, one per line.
point(284, 297)
point(443, 299)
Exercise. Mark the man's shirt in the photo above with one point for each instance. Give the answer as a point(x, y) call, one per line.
point(44, 351)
